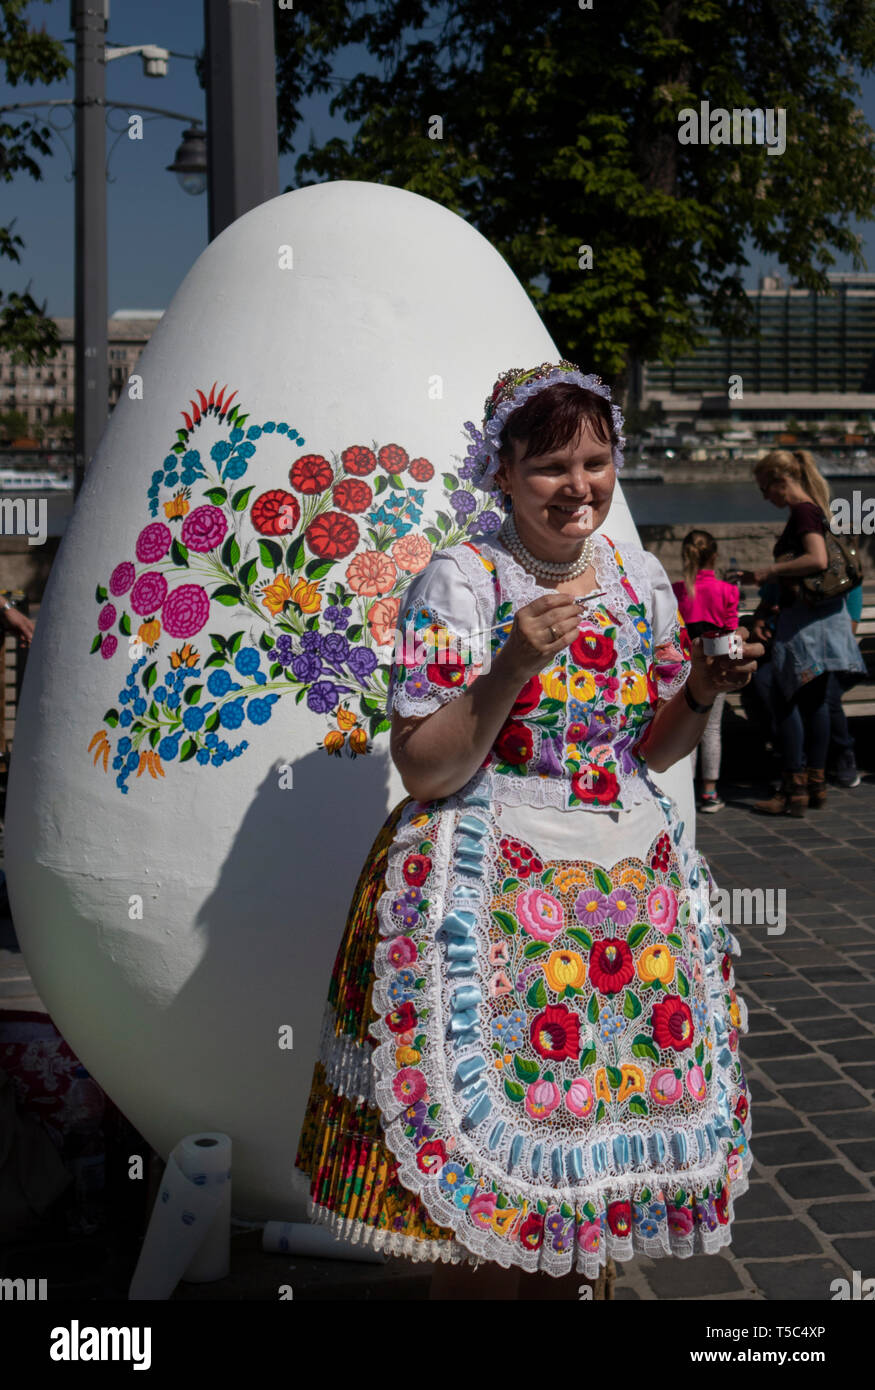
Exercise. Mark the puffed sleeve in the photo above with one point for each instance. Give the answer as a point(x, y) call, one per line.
point(671, 642)
point(438, 649)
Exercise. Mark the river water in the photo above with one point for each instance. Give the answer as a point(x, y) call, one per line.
point(700, 504)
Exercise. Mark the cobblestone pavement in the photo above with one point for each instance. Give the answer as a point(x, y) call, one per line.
point(809, 1057)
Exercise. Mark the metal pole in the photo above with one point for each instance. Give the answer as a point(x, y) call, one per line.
point(89, 19)
point(242, 155)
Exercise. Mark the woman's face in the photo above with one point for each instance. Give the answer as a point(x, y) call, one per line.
point(561, 497)
point(775, 490)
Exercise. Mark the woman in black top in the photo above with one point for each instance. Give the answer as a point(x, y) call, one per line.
point(809, 642)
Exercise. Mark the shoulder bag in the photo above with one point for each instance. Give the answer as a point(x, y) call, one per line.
point(843, 570)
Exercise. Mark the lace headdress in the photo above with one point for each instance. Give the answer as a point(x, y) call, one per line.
point(512, 389)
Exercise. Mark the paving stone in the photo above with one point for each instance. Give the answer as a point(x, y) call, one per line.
point(794, 1071)
point(827, 1029)
point(760, 1093)
point(850, 995)
point(800, 1146)
point(823, 974)
point(843, 858)
point(866, 1012)
point(746, 970)
point(793, 988)
point(836, 936)
point(847, 1124)
point(768, 970)
point(803, 1280)
point(861, 1154)
point(810, 1008)
point(852, 1049)
point(769, 1119)
point(843, 1218)
point(751, 955)
point(760, 1200)
point(818, 1180)
point(858, 1253)
point(799, 954)
point(812, 867)
point(696, 1277)
point(838, 1097)
point(784, 1044)
point(766, 1239)
point(812, 889)
point(823, 911)
point(764, 1021)
point(864, 1076)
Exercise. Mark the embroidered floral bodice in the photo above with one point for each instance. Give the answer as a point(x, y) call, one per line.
point(574, 736)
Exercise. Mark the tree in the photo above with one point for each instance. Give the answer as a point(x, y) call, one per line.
point(27, 56)
point(560, 131)
point(13, 425)
point(63, 425)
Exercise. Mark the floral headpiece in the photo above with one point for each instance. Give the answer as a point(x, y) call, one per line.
point(512, 389)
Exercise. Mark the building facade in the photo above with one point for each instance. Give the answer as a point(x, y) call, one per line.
point(45, 395)
point(814, 365)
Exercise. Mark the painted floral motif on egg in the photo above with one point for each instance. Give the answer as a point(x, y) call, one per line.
point(319, 559)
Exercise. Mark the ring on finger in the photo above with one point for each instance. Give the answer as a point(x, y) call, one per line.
point(552, 633)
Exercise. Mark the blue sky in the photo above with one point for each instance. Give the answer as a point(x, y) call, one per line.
point(156, 231)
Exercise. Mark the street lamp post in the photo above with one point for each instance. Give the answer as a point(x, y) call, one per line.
point(241, 151)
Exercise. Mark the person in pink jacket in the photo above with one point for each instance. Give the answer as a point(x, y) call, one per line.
point(708, 606)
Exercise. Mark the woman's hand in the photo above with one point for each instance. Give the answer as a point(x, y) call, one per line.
point(438, 753)
point(540, 630)
point(676, 729)
point(753, 576)
point(19, 622)
point(712, 675)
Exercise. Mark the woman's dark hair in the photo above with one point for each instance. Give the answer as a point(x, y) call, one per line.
point(551, 418)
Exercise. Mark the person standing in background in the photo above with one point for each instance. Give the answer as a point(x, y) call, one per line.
point(709, 607)
point(810, 641)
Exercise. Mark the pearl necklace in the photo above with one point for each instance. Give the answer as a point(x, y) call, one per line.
point(564, 569)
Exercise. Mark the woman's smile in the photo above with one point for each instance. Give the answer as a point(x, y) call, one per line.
point(572, 511)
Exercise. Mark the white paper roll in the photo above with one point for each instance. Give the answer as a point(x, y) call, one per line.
point(189, 1232)
point(316, 1242)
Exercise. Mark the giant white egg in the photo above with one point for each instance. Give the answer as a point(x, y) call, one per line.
point(300, 403)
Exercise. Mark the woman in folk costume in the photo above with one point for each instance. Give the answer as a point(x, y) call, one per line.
point(529, 1057)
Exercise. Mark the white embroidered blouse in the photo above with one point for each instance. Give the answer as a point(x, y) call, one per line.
point(574, 737)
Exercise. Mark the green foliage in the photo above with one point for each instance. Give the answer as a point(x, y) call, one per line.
point(560, 131)
point(26, 56)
